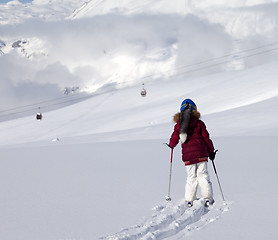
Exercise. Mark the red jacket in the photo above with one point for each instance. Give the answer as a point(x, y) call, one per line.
point(198, 144)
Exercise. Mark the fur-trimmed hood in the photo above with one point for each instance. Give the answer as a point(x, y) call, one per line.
point(194, 113)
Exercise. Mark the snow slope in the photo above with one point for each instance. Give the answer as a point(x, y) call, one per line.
point(78, 189)
point(223, 99)
point(171, 219)
point(98, 169)
point(80, 174)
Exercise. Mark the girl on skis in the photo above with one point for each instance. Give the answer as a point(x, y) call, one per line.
point(197, 147)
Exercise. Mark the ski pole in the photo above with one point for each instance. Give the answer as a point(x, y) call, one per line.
point(217, 177)
point(168, 198)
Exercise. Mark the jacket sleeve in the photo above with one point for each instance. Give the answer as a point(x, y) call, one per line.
point(174, 140)
point(206, 137)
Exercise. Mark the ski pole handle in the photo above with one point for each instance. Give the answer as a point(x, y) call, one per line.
point(168, 145)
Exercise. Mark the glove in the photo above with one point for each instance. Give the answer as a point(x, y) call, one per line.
point(212, 155)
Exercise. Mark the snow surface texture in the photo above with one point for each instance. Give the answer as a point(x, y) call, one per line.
point(98, 169)
point(172, 219)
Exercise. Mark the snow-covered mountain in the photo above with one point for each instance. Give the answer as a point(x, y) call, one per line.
point(240, 18)
point(47, 10)
point(96, 43)
point(98, 169)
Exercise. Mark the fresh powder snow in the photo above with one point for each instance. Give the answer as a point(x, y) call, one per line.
point(96, 166)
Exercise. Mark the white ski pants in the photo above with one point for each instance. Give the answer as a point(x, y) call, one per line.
point(197, 175)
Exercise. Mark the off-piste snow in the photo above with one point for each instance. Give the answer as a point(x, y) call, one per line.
point(173, 219)
point(95, 166)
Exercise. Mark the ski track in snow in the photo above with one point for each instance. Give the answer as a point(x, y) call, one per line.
point(172, 219)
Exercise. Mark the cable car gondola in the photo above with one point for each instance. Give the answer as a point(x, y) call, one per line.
point(143, 91)
point(39, 116)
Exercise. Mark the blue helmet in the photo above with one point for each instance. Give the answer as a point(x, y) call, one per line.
point(190, 102)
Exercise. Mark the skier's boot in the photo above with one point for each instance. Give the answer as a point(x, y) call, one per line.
point(208, 202)
point(189, 204)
